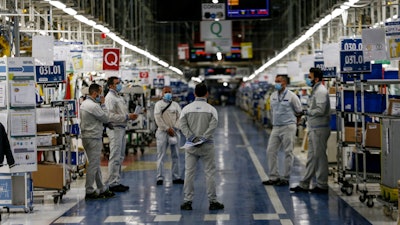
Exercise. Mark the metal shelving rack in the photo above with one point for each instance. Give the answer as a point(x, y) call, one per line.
point(361, 178)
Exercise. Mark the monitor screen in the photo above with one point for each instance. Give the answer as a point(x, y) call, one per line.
point(177, 10)
point(247, 9)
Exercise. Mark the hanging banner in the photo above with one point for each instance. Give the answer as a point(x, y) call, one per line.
point(183, 51)
point(111, 59)
point(331, 53)
point(213, 11)
point(374, 44)
point(393, 39)
point(218, 34)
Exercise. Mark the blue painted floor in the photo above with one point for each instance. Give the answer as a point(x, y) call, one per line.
point(241, 165)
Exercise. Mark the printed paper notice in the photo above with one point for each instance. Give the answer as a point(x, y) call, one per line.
point(23, 94)
point(3, 95)
point(23, 123)
point(47, 115)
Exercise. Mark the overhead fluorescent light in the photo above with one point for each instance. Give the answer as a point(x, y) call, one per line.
point(58, 4)
point(335, 13)
point(70, 11)
point(81, 18)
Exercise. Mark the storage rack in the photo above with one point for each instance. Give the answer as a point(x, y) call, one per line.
point(18, 106)
point(359, 116)
point(63, 151)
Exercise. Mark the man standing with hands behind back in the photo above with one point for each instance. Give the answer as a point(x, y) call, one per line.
point(286, 109)
point(318, 126)
point(198, 122)
point(118, 118)
point(166, 114)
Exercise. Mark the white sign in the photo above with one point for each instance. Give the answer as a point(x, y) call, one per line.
point(212, 30)
point(306, 62)
point(42, 50)
point(223, 46)
point(331, 54)
point(218, 34)
point(374, 47)
point(211, 11)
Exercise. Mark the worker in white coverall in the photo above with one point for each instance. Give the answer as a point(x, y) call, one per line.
point(198, 122)
point(286, 110)
point(93, 115)
point(166, 115)
point(318, 126)
point(118, 117)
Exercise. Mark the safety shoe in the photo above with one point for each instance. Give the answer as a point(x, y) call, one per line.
point(270, 182)
point(319, 190)
point(298, 189)
point(282, 183)
point(178, 181)
point(91, 196)
point(216, 206)
point(106, 194)
point(119, 188)
point(125, 186)
point(186, 206)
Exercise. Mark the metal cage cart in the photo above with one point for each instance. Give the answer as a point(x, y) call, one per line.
point(139, 131)
point(361, 150)
point(55, 171)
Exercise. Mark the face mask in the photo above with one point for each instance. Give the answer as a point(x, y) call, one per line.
point(309, 82)
point(278, 86)
point(168, 96)
point(98, 99)
point(119, 87)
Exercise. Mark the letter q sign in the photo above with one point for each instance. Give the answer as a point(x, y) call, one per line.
point(111, 59)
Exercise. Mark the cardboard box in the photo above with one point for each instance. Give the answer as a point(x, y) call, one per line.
point(46, 138)
point(394, 107)
point(48, 176)
point(57, 127)
point(332, 90)
point(350, 134)
point(373, 135)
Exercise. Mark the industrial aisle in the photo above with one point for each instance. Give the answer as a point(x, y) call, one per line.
point(241, 162)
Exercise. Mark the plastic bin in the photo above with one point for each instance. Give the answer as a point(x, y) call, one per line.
point(333, 122)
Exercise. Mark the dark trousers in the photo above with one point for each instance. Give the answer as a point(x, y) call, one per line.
point(5, 148)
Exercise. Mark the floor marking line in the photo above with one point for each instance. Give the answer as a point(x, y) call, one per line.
point(273, 196)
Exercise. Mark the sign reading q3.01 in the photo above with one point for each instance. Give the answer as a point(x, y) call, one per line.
point(111, 59)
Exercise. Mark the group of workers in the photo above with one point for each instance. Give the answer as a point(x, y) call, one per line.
point(286, 112)
point(197, 121)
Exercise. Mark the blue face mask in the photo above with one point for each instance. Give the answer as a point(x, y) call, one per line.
point(309, 82)
point(168, 96)
point(119, 87)
point(98, 99)
point(278, 86)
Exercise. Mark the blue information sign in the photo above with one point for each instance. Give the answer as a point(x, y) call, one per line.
point(158, 83)
point(326, 71)
point(351, 57)
point(51, 74)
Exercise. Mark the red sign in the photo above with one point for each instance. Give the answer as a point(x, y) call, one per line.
point(183, 51)
point(144, 74)
point(111, 59)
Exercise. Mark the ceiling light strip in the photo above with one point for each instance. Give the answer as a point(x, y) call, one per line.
point(113, 36)
point(335, 13)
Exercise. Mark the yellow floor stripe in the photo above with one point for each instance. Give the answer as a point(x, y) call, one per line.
point(141, 166)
